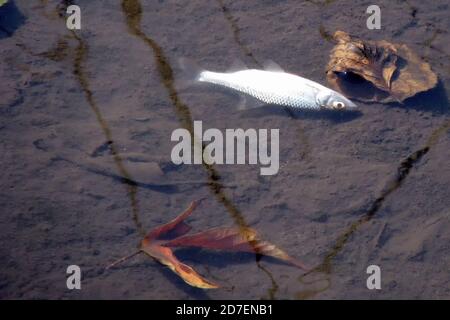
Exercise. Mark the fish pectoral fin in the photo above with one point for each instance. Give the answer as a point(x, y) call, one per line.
point(270, 65)
point(247, 102)
point(242, 105)
point(237, 65)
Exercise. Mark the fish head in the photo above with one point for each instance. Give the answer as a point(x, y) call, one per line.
point(330, 99)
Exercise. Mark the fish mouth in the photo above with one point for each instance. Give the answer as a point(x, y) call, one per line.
point(351, 105)
point(340, 102)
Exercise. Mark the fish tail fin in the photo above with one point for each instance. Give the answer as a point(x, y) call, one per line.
point(191, 73)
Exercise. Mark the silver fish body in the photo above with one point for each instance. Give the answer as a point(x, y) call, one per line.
point(280, 88)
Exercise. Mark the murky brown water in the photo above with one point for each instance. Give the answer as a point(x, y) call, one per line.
point(86, 118)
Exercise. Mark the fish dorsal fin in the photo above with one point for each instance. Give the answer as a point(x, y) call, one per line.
point(270, 65)
point(237, 65)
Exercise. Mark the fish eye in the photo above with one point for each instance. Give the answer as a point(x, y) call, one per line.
point(338, 104)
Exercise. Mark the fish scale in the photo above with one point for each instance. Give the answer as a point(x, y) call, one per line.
point(278, 87)
point(267, 86)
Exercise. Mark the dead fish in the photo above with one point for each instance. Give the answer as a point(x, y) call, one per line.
point(272, 86)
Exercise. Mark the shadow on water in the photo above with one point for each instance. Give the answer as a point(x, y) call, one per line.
point(236, 33)
point(434, 101)
point(326, 266)
point(80, 55)
point(326, 35)
point(133, 12)
point(403, 170)
point(232, 21)
point(165, 188)
point(321, 2)
point(224, 259)
point(297, 114)
point(10, 19)
point(80, 74)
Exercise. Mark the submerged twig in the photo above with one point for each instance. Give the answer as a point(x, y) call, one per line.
point(123, 259)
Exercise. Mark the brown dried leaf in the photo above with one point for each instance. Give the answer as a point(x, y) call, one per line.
point(165, 256)
point(151, 245)
point(233, 239)
point(176, 225)
point(377, 70)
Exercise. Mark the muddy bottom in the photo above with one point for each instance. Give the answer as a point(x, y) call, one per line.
point(86, 118)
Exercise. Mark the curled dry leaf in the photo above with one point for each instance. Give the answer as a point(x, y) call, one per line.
point(153, 246)
point(166, 257)
point(159, 242)
point(177, 225)
point(377, 70)
point(233, 239)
